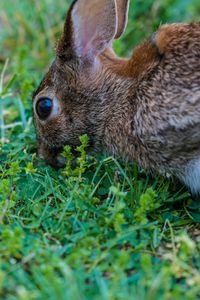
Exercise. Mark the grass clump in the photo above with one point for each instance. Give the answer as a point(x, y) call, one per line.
point(99, 228)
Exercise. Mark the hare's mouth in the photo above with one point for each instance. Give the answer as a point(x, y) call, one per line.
point(57, 162)
point(53, 155)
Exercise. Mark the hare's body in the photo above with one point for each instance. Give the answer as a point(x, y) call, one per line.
point(161, 130)
point(146, 108)
point(168, 116)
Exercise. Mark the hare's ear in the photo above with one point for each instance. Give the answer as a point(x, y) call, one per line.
point(122, 16)
point(90, 27)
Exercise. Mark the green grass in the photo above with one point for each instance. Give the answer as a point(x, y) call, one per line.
point(101, 229)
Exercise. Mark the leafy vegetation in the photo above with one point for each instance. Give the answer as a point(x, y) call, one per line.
point(98, 229)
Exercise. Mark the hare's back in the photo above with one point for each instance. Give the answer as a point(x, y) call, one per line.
point(171, 96)
point(179, 38)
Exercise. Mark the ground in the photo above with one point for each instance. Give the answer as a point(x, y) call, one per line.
point(102, 229)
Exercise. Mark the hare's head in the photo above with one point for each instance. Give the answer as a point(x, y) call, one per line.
point(72, 98)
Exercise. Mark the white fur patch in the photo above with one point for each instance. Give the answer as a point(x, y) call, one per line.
point(192, 177)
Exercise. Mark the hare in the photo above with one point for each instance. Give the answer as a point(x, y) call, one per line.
point(145, 108)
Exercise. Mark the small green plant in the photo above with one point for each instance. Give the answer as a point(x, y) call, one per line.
point(81, 161)
point(148, 203)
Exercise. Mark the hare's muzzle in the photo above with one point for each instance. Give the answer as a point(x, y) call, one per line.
point(51, 156)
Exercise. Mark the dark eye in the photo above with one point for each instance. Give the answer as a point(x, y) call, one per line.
point(44, 108)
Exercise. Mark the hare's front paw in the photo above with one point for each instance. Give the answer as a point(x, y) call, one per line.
point(169, 36)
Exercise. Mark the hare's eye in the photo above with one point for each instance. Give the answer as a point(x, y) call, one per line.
point(44, 108)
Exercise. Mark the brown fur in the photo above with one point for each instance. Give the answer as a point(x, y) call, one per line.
point(146, 108)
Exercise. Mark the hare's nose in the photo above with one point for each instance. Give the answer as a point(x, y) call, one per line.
point(44, 108)
point(51, 157)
